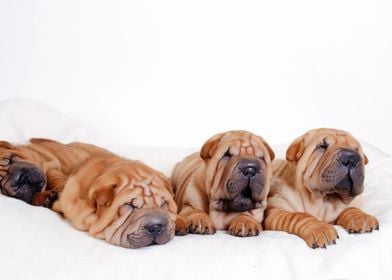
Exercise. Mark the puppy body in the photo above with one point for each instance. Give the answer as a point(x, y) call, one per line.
point(122, 201)
point(214, 191)
point(45, 162)
point(318, 185)
point(286, 195)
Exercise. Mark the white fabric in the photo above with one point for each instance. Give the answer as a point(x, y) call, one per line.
point(36, 243)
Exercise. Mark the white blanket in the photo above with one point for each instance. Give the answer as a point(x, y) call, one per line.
point(36, 243)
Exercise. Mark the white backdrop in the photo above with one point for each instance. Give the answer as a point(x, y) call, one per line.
point(172, 73)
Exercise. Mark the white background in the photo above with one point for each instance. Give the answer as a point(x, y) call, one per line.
point(173, 73)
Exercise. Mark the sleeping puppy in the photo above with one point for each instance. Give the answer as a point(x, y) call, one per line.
point(36, 172)
point(225, 186)
point(122, 201)
point(317, 186)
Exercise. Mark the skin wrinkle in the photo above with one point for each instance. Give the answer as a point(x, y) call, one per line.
point(325, 206)
point(93, 184)
point(212, 175)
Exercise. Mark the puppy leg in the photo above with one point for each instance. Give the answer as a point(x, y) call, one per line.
point(314, 232)
point(244, 225)
point(45, 199)
point(354, 220)
point(194, 221)
point(55, 184)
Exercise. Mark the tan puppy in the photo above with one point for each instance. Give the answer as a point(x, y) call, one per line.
point(36, 172)
point(225, 186)
point(316, 187)
point(122, 201)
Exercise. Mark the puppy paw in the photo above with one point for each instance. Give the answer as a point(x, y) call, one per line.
point(181, 226)
point(45, 199)
point(355, 220)
point(244, 226)
point(200, 223)
point(319, 235)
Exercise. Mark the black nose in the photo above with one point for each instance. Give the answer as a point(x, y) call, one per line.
point(249, 168)
point(155, 229)
point(349, 158)
point(24, 178)
point(249, 171)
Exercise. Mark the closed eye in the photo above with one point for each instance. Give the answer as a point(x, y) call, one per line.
point(322, 146)
point(164, 204)
point(227, 154)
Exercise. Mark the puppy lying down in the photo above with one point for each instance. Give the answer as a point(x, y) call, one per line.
point(122, 201)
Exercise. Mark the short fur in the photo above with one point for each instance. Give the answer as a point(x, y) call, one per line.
point(122, 201)
point(311, 190)
point(212, 193)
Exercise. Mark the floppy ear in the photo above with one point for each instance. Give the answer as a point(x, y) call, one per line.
point(210, 146)
point(296, 149)
point(270, 151)
point(6, 145)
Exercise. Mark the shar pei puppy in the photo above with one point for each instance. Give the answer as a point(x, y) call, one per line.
point(224, 186)
point(319, 185)
point(122, 201)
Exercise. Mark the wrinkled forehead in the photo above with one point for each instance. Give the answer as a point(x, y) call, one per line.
point(147, 193)
point(334, 137)
point(243, 143)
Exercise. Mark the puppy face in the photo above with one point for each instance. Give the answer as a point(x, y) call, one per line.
point(138, 205)
point(20, 176)
point(329, 162)
point(238, 170)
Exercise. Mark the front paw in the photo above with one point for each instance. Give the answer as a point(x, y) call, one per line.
point(243, 226)
point(45, 199)
point(355, 220)
point(319, 235)
point(181, 226)
point(200, 223)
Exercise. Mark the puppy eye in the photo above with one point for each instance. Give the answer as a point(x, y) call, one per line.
point(7, 161)
point(227, 154)
point(322, 146)
point(164, 204)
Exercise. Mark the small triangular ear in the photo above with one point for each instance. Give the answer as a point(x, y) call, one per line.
point(102, 190)
point(104, 195)
point(6, 145)
point(366, 159)
point(210, 146)
point(296, 149)
point(270, 151)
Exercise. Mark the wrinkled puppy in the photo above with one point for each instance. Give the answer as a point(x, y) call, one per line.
point(317, 186)
point(36, 172)
point(225, 186)
point(122, 201)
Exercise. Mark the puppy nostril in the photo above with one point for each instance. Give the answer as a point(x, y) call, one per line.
point(154, 229)
point(24, 179)
point(350, 160)
point(249, 171)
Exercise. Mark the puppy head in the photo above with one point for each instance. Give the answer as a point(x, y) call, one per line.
point(20, 174)
point(329, 162)
point(238, 170)
point(136, 206)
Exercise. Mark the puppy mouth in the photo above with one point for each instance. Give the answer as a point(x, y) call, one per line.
point(242, 202)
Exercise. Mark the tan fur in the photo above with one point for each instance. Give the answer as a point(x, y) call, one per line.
point(198, 184)
point(297, 206)
point(55, 159)
point(98, 191)
point(103, 186)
